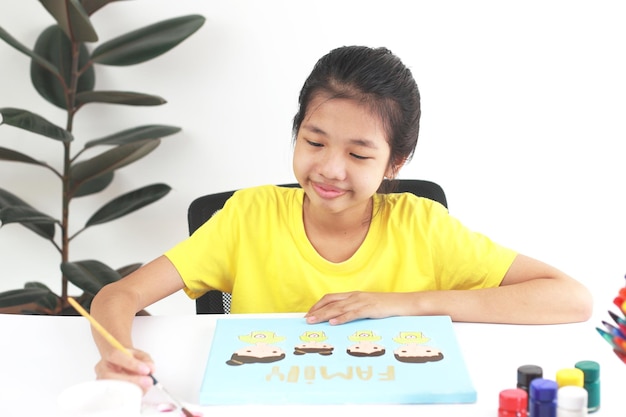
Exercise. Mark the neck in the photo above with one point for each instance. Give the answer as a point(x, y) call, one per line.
point(336, 236)
point(343, 222)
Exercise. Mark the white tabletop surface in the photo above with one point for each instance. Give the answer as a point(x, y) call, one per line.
point(41, 356)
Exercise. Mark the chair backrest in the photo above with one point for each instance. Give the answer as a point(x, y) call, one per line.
point(202, 208)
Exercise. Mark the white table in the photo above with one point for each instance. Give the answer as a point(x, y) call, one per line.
point(41, 356)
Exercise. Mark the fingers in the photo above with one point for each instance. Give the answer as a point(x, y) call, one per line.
point(324, 309)
point(342, 318)
point(345, 307)
point(342, 308)
point(136, 369)
point(328, 299)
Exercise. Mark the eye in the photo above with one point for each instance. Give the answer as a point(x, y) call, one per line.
point(358, 156)
point(315, 144)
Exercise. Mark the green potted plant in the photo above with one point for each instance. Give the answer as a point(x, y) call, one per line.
point(63, 72)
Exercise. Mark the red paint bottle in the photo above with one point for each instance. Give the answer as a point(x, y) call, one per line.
point(513, 403)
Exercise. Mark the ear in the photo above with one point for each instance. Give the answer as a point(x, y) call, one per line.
point(394, 168)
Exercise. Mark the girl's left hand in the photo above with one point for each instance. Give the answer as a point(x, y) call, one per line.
point(341, 308)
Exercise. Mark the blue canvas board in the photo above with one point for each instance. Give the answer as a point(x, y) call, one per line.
point(396, 360)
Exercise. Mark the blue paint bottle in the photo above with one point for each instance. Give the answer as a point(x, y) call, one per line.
point(542, 401)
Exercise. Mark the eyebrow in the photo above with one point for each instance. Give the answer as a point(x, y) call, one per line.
point(366, 143)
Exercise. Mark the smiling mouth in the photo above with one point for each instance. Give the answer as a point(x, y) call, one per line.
point(327, 191)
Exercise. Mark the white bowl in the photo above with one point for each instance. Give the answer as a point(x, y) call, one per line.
point(101, 398)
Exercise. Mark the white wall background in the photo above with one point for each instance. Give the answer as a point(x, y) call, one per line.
point(524, 104)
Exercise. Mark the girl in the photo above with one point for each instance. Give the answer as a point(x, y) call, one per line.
point(337, 249)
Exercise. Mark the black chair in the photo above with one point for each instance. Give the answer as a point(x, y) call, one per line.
point(202, 208)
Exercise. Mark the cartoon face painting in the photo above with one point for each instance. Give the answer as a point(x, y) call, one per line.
point(313, 343)
point(413, 350)
point(417, 354)
point(262, 349)
point(365, 345)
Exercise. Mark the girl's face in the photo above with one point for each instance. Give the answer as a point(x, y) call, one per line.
point(341, 154)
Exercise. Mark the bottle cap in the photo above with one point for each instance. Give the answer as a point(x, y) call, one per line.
point(570, 376)
point(591, 370)
point(571, 397)
point(527, 373)
point(514, 399)
point(543, 390)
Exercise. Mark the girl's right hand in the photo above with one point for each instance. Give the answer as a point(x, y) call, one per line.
point(136, 369)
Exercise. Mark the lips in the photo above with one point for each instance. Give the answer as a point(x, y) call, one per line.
point(327, 191)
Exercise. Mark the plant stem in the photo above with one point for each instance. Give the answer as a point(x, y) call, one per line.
point(65, 215)
point(70, 97)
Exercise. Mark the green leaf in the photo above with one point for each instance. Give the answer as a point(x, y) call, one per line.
point(32, 122)
point(72, 18)
point(95, 185)
point(23, 49)
point(135, 134)
point(54, 45)
point(118, 97)
point(22, 296)
point(11, 155)
point(89, 275)
point(24, 214)
point(146, 43)
point(7, 199)
point(128, 203)
point(50, 301)
point(109, 161)
point(92, 6)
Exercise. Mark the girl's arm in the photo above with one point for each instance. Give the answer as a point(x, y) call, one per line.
point(531, 292)
point(115, 307)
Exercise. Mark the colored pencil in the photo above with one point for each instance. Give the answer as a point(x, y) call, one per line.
point(612, 340)
point(615, 331)
point(620, 355)
point(619, 302)
point(620, 321)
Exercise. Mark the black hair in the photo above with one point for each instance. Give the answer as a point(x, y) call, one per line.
point(376, 77)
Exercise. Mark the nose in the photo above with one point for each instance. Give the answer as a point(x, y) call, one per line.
point(333, 165)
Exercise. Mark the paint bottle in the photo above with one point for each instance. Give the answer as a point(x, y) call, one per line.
point(542, 398)
point(570, 376)
point(571, 401)
point(526, 373)
point(513, 403)
point(591, 371)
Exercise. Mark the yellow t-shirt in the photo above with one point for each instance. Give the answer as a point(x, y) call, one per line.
point(256, 249)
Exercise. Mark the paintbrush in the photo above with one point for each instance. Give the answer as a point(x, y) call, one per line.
point(116, 344)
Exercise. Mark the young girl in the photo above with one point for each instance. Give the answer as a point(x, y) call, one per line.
point(336, 249)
